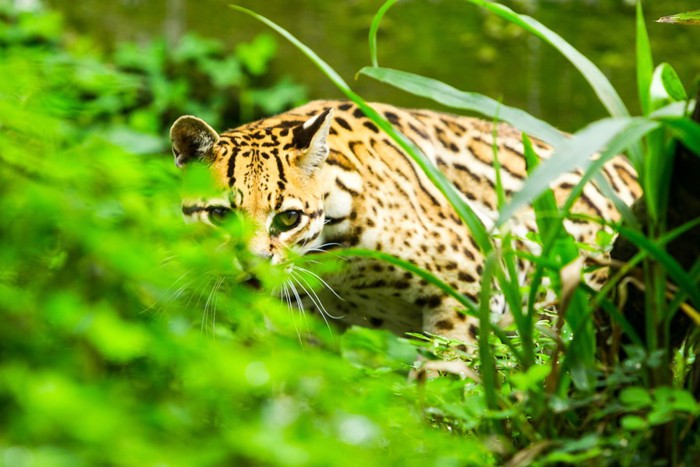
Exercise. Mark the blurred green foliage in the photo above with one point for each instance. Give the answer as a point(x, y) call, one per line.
point(124, 341)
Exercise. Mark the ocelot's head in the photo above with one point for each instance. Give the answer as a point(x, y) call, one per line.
point(267, 171)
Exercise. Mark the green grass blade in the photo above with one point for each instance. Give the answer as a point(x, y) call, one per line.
point(597, 80)
point(463, 210)
point(471, 307)
point(615, 134)
point(374, 27)
point(559, 246)
point(452, 97)
point(645, 62)
point(688, 17)
point(488, 362)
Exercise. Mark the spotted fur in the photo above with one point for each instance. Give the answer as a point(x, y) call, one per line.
point(353, 186)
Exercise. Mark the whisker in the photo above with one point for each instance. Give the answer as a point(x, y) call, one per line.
point(313, 295)
point(216, 305)
point(179, 289)
point(285, 293)
point(300, 305)
point(321, 310)
point(321, 280)
point(208, 307)
point(164, 262)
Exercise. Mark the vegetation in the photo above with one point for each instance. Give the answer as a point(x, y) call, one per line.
point(128, 338)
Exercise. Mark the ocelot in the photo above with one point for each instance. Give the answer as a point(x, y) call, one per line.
point(324, 175)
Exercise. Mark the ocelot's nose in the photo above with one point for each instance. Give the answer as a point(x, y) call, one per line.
point(260, 246)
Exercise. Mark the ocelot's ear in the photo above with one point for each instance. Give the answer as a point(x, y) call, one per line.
point(193, 139)
point(312, 138)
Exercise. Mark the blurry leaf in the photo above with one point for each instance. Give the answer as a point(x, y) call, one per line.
point(191, 47)
point(635, 397)
point(375, 349)
point(118, 340)
point(256, 55)
point(135, 142)
point(532, 378)
point(633, 423)
point(688, 17)
point(224, 73)
point(150, 58)
point(39, 26)
point(667, 398)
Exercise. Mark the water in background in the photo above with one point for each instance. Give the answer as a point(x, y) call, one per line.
point(449, 40)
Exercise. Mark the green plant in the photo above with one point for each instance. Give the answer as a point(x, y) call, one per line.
point(561, 421)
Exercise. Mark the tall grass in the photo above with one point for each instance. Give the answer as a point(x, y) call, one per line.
point(547, 393)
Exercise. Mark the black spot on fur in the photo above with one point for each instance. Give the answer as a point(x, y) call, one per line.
point(376, 322)
point(466, 277)
point(392, 117)
point(444, 325)
point(343, 123)
point(371, 126)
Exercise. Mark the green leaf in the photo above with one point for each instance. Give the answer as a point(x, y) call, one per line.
point(635, 397)
point(376, 349)
point(374, 27)
point(665, 87)
point(256, 55)
point(488, 363)
point(633, 423)
point(452, 97)
point(600, 84)
point(532, 378)
point(688, 17)
point(645, 62)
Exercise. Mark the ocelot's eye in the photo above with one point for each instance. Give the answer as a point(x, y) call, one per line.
point(218, 214)
point(286, 220)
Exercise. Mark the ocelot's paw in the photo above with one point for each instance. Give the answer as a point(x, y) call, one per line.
point(430, 369)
